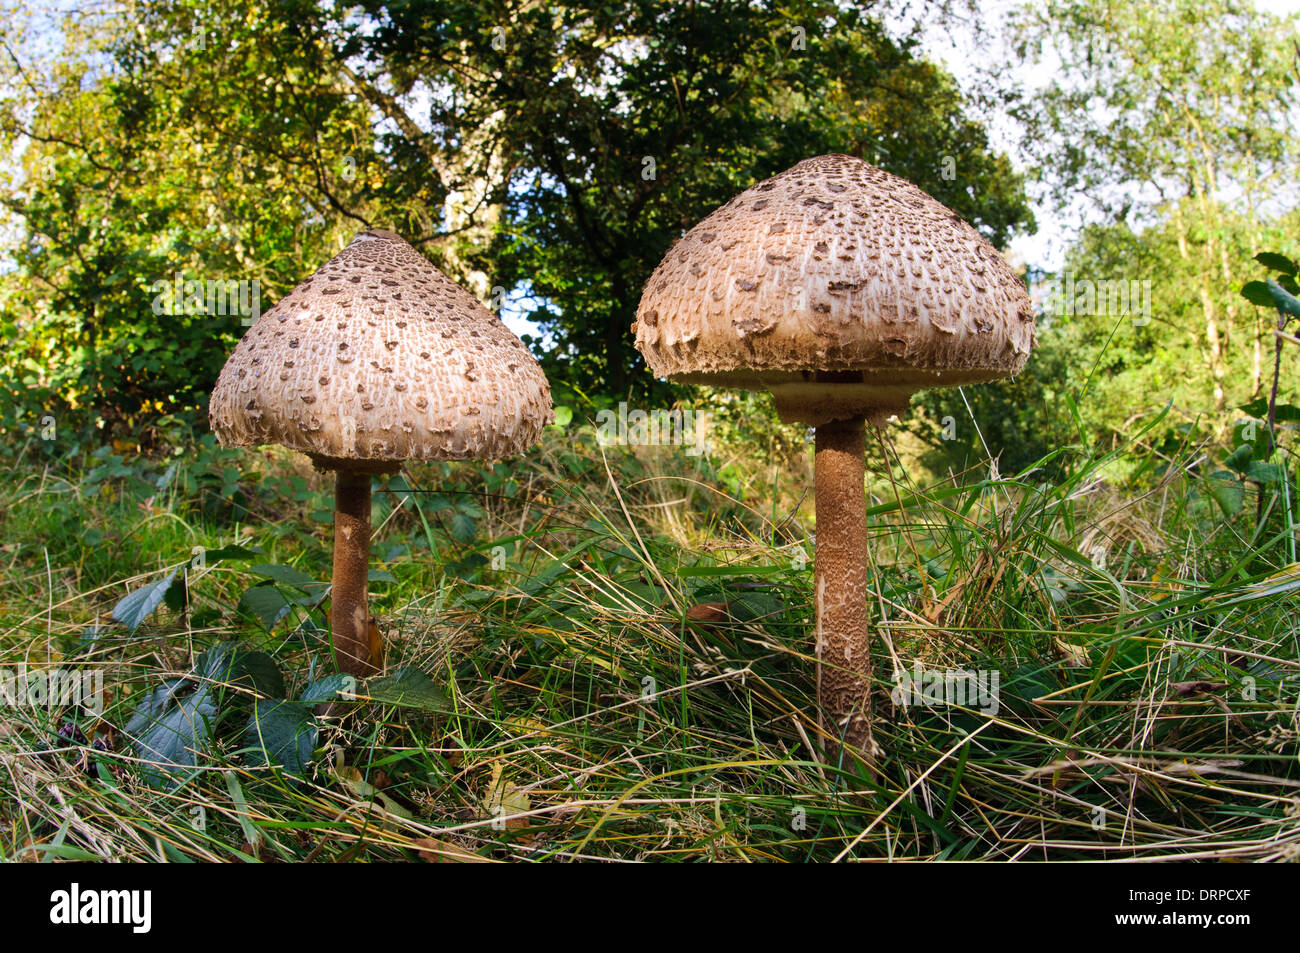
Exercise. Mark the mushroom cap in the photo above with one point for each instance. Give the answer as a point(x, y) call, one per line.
point(380, 357)
point(839, 287)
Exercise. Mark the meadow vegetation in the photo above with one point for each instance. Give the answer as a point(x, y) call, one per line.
point(605, 651)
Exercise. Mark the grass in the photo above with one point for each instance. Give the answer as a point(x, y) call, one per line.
point(623, 637)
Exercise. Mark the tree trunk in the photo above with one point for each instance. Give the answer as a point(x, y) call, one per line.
point(1214, 357)
point(1215, 346)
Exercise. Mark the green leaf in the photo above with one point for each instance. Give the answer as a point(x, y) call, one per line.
point(1229, 496)
point(233, 552)
point(246, 669)
point(153, 705)
point(1258, 409)
point(255, 671)
point(408, 688)
point(563, 416)
point(287, 575)
point(1285, 300)
point(1283, 582)
point(471, 509)
point(205, 618)
point(137, 606)
point(381, 575)
point(1287, 412)
point(174, 597)
point(65, 851)
point(328, 688)
point(1270, 259)
point(281, 732)
point(399, 487)
point(391, 552)
point(1256, 292)
point(756, 607)
point(1022, 684)
point(1252, 433)
point(687, 572)
point(1264, 472)
point(165, 480)
point(435, 502)
point(266, 602)
point(463, 528)
point(1240, 458)
point(308, 629)
point(171, 739)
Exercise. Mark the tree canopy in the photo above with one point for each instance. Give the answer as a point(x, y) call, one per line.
point(544, 154)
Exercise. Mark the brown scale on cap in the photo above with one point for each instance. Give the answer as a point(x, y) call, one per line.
point(379, 356)
point(834, 265)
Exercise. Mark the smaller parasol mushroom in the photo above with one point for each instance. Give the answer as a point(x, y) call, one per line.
point(377, 358)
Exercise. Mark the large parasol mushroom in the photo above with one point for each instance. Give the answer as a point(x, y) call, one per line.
point(843, 290)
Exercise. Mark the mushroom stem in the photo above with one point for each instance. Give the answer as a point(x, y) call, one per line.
point(840, 578)
point(349, 613)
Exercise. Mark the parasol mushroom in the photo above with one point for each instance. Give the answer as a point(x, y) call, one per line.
point(843, 290)
point(377, 358)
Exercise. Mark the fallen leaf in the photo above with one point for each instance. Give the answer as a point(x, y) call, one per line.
point(366, 791)
point(528, 726)
point(1187, 689)
point(709, 612)
point(434, 851)
point(504, 799)
point(376, 643)
point(1074, 656)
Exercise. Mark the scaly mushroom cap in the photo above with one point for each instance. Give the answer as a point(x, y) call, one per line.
point(834, 266)
point(378, 357)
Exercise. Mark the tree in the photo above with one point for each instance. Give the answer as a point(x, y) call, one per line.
point(1170, 111)
point(128, 187)
point(547, 151)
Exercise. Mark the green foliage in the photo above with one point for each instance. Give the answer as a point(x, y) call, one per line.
point(1152, 101)
point(234, 692)
point(176, 724)
point(634, 145)
point(281, 732)
point(1278, 293)
point(172, 728)
point(232, 141)
point(1148, 130)
point(139, 605)
point(131, 187)
point(648, 637)
point(407, 687)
